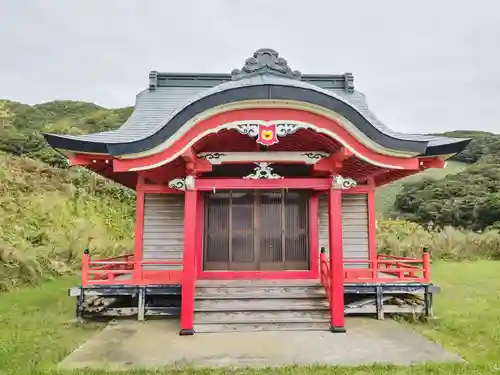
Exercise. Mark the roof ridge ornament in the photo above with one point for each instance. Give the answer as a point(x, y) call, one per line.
point(265, 61)
point(153, 79)
point(348, 82)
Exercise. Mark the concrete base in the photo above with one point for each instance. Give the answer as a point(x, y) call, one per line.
point(186, 332)
point(334, 329)
point(153, 344)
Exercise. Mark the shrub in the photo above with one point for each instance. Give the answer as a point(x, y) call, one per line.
point(405, 238)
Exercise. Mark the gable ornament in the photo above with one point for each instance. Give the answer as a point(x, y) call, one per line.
point(263, 171)
point(182, 183)
point(341, 183)
point(267, 132)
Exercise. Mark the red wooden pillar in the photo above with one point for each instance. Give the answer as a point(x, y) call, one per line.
point(188, 264)
point(336, 260)
point(199, 233)
point(314, 234)
point(139, 236)
point(372, 233)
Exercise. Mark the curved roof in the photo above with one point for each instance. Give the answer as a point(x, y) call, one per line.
point(167, 104)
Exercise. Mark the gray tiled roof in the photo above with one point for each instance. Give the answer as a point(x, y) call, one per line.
point(154, 109)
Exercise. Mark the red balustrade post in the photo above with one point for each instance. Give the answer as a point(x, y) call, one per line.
point(336, 260)
point(85, 267)
point(426, 265)
point(188, 263)
point(322, 261)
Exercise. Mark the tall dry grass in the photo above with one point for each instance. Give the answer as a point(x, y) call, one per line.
point(46, 222)
point(404, 238)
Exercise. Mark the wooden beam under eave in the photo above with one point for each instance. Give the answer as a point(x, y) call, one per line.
point(333, 163)
point(195, 165)
point(152, 175)
point(154, 188)
point(372, 176)
point(89, 160)
point(426, 163)
point(394, 175)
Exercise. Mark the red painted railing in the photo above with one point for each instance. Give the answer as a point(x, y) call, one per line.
point(325, 275)
point(388, 269)
point(383, 269)
point(119, 270)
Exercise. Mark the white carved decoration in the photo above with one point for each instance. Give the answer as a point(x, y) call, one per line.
point(314, 156)
point(250, 129)
point(283, 129)
point(257, 127)
point(341, 183)
point(182, 183)
point(214, 157)
point(307, 157)
point(263, 170)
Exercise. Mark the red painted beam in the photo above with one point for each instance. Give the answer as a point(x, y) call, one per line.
point(376, 173)
point(208, 184)
point(195, 165)
point(86, 159)
point(155, 188)
point(432, 163)
point(394, 175)
point(256, 275)
point(334, 162)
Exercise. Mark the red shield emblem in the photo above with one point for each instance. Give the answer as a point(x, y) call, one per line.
point(267, 135)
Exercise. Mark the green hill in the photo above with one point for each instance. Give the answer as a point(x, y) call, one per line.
point(468, 199)
point(48, 213)
point(484, 149)
point(21, 125)
point(386, 195)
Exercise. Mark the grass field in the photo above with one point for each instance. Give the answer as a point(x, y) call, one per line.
point(37, 328)
point(386, 195)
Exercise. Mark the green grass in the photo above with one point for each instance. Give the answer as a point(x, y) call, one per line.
point(37, 328)
point(386, 195)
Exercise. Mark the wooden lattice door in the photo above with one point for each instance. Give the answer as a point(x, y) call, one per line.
point(256, 230)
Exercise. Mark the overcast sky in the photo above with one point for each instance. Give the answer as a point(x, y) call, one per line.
point(425, 66)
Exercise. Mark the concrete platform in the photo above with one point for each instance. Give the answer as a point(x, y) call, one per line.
point(152, 344)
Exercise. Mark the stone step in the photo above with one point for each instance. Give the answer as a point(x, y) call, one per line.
point(277, 316)
point(260, 304)
point(270, 326)
point(261, 291)
point(258, 283)
point(246, 295)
